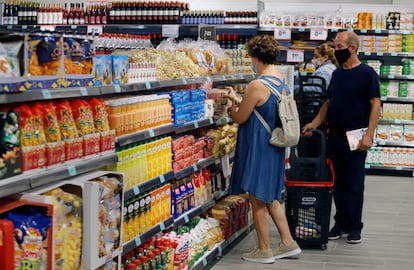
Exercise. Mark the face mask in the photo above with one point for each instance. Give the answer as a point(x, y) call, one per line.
point(342, 55)
point(253, 67)
point(316, 62)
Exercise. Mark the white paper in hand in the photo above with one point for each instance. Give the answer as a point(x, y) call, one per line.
point(354, 136)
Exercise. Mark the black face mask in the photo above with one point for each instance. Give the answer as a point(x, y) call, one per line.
point(342, 55)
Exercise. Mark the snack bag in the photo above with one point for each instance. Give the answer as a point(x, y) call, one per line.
point(9, 61)
point(100, 114)
point(50, 122)
point(83, 116)
point(30, 234)
point(27, 126)
point(78, 55)
point(39, 133)
point(49, 52)
point(66, 122)
point(68, 229)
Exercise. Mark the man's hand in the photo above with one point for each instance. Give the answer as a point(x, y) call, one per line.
point(365, 143)
point(307, 129)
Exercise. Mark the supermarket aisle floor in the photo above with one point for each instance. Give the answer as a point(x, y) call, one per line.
point(388, 236)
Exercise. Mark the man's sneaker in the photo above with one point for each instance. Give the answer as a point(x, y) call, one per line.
point(259, 256)
point(354, 238)
point(285, 251)
point(335, 233)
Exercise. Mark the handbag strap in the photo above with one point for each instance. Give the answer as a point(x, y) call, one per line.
point(261, 119)
point(265, 80)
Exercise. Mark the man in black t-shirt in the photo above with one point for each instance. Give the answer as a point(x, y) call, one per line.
point(353, 102)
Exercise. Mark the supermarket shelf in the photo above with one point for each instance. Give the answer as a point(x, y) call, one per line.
point(358, 31)
point(69, 169)
point(398, 99)
point(194, 125)
point(18, 28)
point(144, 135)
point(397, 144)
point(395, 77)
point(72, 92)
point(15, 184)
point(186, 217)
point(223, 121)
point(393, 168)
point(396, 122)
point(217, 250)
point(48, 94)
point(375, 54)
point(148, 185)
point(134, 243)
point(220, 194)
point(199, 165)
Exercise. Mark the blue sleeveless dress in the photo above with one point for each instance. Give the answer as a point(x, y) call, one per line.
point(258, 166)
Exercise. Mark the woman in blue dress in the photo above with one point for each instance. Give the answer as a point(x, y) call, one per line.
point(258, 166)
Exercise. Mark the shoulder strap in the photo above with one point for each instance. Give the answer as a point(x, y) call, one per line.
point(261, 119)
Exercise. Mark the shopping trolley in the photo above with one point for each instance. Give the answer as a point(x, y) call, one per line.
point(309, 180)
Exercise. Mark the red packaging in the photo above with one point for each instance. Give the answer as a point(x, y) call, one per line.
point(6, 245)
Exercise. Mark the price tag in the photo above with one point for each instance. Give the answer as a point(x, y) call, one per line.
point(378, 31)
point(334, 29)
point(398, 168)
point(184, 80)
point(224, 78)
point(196, 124)
point(170, 30)
point(137, 241)
point(46, 94)
point(24, 27)
point(162, 226)
point(72, 170)
point(383, 98)
point(318, 34)
point(301, 29)
point(162, 179)
point(219, 250)
point(397, 121)
point(392, 31)
point(47, 28)
point(394, 54)
point(95, 29)
point(211, 120)
point(148, 85)
point(367, 166)
point(380, 53)
point(84, 91)
point(410, 77)
point(136, 190)
point(296, 56)
point(283, 34)
point(208, 78)
point(367, 53)
point(186, 219)
point(391, 76)
point(204, 262)
point(151, 133)
point(9, 27)
point(117, 88)
point(73, 27)
point(225, 164)
point(364, 31)
point(195, 168)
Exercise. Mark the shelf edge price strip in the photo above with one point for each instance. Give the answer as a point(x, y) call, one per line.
point(137, 241)
point(72, 170)
point(136, 190)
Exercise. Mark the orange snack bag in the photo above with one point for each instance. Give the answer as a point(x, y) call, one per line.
point(100, 114)
point(66, 120)
point(50, 122)
point(39, 133)
point(83, 116)
point(26, 125)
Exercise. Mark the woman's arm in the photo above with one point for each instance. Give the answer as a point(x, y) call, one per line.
point(252, 97)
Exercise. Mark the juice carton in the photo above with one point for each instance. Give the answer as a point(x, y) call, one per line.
point(120, 66)
point(102, 70)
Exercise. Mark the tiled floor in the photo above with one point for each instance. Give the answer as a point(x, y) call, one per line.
point(388, 236)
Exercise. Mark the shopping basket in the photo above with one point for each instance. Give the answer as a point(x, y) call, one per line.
point(308, 204)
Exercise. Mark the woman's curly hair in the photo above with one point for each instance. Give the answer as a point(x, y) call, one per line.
point(265, 48)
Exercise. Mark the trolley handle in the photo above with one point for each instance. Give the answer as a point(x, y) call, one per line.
point(312, 184)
